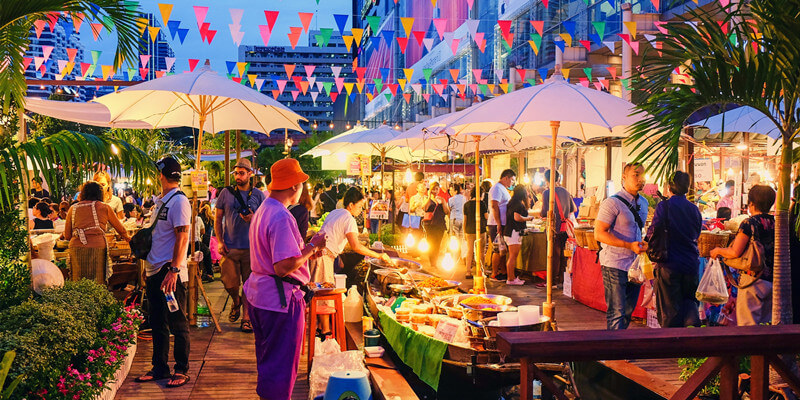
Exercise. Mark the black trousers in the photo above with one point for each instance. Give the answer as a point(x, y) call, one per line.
point(205, 266)
point(163, 322)
point(434, 236)
point(675, 298)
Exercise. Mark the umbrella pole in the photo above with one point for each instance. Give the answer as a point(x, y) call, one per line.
point(477, 250)
point(383, 161)
point(549, 307)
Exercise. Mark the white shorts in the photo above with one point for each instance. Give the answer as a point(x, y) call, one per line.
point(515, 238)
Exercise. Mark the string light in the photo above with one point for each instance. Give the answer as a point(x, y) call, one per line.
point(410, 240)
point(526, 179)
point(453, 244)
point(347, 126)
point(448, 263)
point(730, 171)
point(408, 176)
point(424, 246)
point(396, 127)
point(114, 149)
point(741, 146)
point(315, 125)
point(331, 125)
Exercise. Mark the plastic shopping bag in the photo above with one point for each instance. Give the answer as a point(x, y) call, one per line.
point(712, 287)
point(635, 273)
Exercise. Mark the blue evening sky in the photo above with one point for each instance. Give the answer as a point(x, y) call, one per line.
point(222, 47)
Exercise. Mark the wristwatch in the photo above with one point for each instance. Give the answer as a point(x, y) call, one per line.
point(174, 269)
point(311, 244)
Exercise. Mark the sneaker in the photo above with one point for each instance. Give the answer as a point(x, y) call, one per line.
point(515, 282)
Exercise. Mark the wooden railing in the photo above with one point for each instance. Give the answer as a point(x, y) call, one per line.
point(723, 346)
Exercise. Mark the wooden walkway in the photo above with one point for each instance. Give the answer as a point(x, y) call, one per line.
point(222, 365)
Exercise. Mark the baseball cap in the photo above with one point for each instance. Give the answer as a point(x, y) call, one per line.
point(169, 167)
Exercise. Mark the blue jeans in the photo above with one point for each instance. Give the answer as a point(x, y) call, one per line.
point(621, 298)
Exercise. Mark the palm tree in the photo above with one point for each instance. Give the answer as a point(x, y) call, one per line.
point(750, 58)
point(17, 17)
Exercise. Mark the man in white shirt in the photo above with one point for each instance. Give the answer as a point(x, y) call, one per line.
point(456, 204)
point(498, 201)
point(166, 273)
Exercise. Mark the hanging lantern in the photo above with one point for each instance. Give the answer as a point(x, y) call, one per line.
point(453, 244)
point(410, 240)
point(448, 263)
point(424, 246)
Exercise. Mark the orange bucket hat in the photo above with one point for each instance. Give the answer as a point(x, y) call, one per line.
point(285, 174)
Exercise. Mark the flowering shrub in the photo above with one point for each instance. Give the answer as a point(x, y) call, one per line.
point(69, 342)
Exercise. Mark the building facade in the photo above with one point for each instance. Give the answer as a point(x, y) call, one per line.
point(61, 38)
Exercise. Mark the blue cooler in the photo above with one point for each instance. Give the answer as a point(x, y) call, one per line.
point(348, 385)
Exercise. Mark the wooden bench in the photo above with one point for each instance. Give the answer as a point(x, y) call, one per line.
point(387, 381)
point(723, 346)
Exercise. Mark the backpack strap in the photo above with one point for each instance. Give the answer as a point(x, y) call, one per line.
point(239, 198)
point(636, 215)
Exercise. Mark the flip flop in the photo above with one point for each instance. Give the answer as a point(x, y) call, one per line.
point(182, 379)
point(236, 312)
point(247, 327)
point(150, 377)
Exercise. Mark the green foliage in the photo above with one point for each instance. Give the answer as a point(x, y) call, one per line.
point(15, 276)
point(18, 16)
point(387, 237)
point(64, 337)
point(5, 366)
point(690, 365)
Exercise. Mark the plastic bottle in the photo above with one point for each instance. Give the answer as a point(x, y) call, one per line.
point(537, 389)
point(172, 303)
point(203, 314)
point(353, 305)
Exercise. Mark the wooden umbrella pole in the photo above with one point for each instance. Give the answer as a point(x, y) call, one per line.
point(477, 250)
point(549, 307)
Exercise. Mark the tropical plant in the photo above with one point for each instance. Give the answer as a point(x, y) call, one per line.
point(5, 366)
point(17, 18)
point(745, 55)
point(68, 150)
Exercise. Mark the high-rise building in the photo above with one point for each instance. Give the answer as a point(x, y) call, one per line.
point(323, 114)
point(60, 38)
point(158, 50)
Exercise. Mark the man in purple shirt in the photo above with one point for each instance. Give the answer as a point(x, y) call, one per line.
point(274, 290)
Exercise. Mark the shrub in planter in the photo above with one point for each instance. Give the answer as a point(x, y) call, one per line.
point(15, 276)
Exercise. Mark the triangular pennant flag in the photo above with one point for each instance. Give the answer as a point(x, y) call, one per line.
point(77, 21)
point(428, 42)
point(407, 96)
point(358, 33)
point(393, 88)
point(339, 84)
point(289, 68)
point(454, 74)
point(625, 37)
point(419, 36)
point(360, 87)
point(95, 56)
point(597, 85)
point(635, 46)
point(440, 24)
point(427, 97)
point(305, 20)
point(480, 41)
point(361, 72)
point(603, 81)
point(259, 83)
point(333, 96)
point(241, 67)
point(39, 27)
point(182, 34)
point(600, 28)
point(408, 24)
point(169, 61)
point(584, 82)
point(46, 51)
point(611, 46)
point(303, 86)
point(281, 85)
point(521, 72)
point(96, 29)
point(265, 34)
point(314, 96)
point(295, 93)
point(374, 22)
point(62, 65)
point(505, 26)
point(173, 28)
point(538, 26)
point(142, 24)
point(388, 37)
point(236, 15)
point(341, 22)
point(378, 84)
point(327, 86)
point(153, 30)
point(472, 27)
point(271, 17)
point(596, 38)
point(408, 73)
point(336, 71)
point(613, 72)
point(543, 73)
point(535, 42)
point(388, 97)
point(631, 25)
point(143, 73)
point(210, 35)
point(294, 36)
point(427, 73)
point(161, 74)
point(417, 88)
point(145, 58)
point(560, 44)
point(200, 14)
point(26, 61)
point(569, 26)
point(348, 41)
point(402, 83)
point(403, 44)
point(275, 93)
point(166, 10)
point(546, 3)
point(587, 44)
point(108, 71)
point(588, 72)
point(565, 72)
point(454, 45)
point(193, 63)
point(348, 86)
point(326, 36)
point(660, 26)
point(567, 38)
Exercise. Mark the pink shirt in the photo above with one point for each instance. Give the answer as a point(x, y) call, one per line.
point(273, 237)
point(730, 202)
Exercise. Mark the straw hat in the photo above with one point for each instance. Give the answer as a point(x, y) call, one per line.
point(285, 174)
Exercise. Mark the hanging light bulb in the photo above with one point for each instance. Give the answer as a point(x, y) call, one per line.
point(315, 125)
point(453, 244)
point(408, 176)
point(410, 240)
point(730, 171)
point(424, 246)
point(114, 149)
point(331, 125)
point(741, 146)
point(347, 126)
point(526, 179)
point(538, 180)
point(448, 263)
point(149, 181)
point(396, 127)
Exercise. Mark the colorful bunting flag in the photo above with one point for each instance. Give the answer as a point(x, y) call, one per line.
point(341, 22)
point(166, 11)
point(271, 16)
point(305, 20)
point(440, 24)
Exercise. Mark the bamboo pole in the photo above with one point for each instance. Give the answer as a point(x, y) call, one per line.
point(477, 250)
point(549, 307)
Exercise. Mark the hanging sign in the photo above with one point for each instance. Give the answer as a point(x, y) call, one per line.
point(703, 170)
point(359, 165)
point(379, 210)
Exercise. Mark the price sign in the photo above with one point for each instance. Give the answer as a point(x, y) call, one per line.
point(703, 170)
point(379, 210)
point(446, 331)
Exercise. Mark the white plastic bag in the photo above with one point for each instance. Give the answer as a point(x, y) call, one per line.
point(635, 273)
point(712, 287)
point(326, 364)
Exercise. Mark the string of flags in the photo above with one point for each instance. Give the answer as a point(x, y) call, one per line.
point(420, 32)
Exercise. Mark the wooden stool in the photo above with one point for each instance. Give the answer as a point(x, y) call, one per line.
point(337, 316)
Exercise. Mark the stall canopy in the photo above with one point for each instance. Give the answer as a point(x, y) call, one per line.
point(94, 114)
point(221, 156)
point(742, 119)
point(437, 168)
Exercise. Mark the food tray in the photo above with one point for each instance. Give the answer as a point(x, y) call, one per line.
point(397, 263)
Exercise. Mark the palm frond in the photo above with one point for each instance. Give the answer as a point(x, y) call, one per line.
point(739, 67)
point(68, 151)
point(17, 18)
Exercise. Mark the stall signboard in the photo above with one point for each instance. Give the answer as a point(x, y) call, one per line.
point(195, 183)
point(703, 170)
point(379, 210)
point(359, 165)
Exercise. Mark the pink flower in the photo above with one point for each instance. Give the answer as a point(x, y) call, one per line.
point(90, 358)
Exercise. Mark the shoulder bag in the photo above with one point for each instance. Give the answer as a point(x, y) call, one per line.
point(752, 259)
point(142, 241)
point(657, 245)
point(566, 223)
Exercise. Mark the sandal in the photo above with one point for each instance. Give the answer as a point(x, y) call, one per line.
point(236, 312)
point(181, 380)
point(150, 377)
point(247, 327)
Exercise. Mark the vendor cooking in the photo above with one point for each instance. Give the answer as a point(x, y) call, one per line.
point(340, 228)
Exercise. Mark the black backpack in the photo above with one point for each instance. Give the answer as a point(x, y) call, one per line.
point(142, 241)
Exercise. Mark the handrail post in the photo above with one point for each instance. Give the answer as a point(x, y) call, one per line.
point(729, 379)
point(526, 379)
point(759, 377)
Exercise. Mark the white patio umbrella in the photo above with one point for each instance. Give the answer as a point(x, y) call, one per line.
point(83, 113)
point(568, 110)
point(204, 100)
point(742, 119)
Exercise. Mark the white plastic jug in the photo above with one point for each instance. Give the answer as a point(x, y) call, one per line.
point(353, 305)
